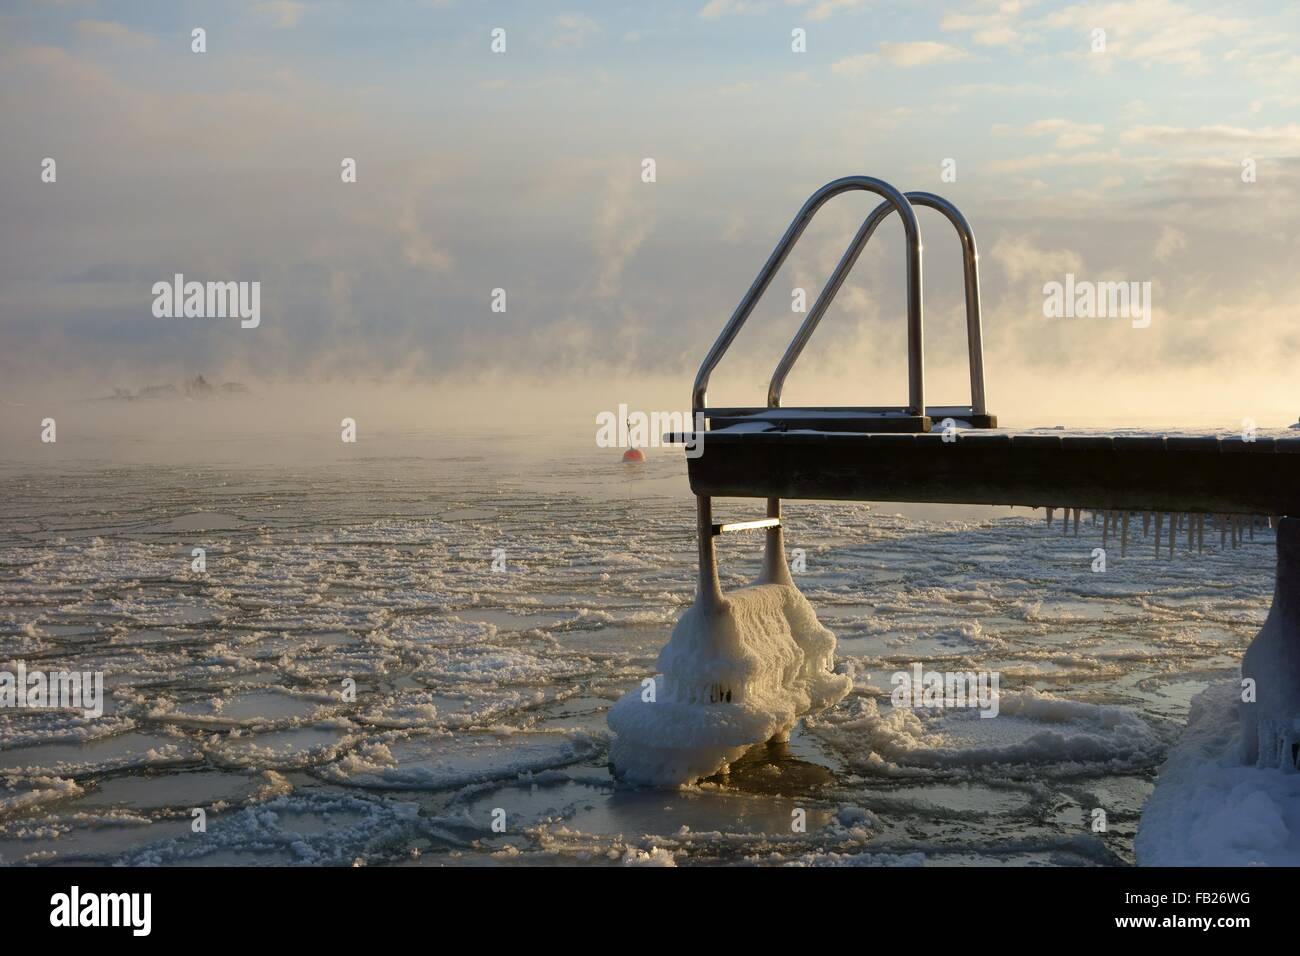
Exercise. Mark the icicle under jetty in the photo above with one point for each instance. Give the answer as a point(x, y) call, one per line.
point(734, 674)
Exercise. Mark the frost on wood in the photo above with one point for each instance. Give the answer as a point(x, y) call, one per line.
point(733, 675)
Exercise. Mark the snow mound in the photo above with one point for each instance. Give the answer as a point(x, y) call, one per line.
point(733, 675)
point(1031, 729)
point(1210, 809)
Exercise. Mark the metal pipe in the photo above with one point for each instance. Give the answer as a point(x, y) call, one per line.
point(971, 279)
point(708, 592)
point(915, 345)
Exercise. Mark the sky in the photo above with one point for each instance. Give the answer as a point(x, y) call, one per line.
point(522, 170)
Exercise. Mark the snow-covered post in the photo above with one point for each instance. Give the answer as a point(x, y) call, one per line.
point(775, 570)
point(708, 590)
point(1270, 715)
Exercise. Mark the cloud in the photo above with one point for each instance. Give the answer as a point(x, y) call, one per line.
point(112, 32)
point(1021, 164)
point(1005, 89)
point(910, 53)
point(825, 9)
point(285, 13)
point(573, 31)
point(1150, 32)
point(716, 9)
point(1171, 242)
point(1069, 134)
point(993, 23)
point(1146, 32)
point(1217, 137)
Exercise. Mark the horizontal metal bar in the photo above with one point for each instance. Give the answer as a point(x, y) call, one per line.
point(746, 525)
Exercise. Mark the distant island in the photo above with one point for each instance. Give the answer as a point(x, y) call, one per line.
point(194, 389)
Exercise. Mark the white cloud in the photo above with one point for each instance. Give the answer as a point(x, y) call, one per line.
point(1146, 32)
point(1150, 31)
point(573, 31)
point(1217, 136)
point(285, 13)
point(112, 32)
point(905, 54)
point(825, 9)
point(1069, 134)
point(993, 23)
point(716, 9)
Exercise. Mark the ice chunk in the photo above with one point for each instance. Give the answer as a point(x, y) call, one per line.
point(733, 674)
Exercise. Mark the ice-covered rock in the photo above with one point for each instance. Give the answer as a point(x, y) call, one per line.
point(735, 673)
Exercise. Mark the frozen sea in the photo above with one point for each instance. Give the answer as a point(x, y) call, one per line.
point(489, 598)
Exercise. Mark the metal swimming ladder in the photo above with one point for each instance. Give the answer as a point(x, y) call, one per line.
point(913, 417)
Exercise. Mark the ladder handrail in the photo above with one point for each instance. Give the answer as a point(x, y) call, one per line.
point(915, 346)
point(970, 268)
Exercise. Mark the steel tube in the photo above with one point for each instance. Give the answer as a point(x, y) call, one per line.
point(915, 308)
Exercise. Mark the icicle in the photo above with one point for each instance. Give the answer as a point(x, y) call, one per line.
point(1222, 522)
point(1105, 527)
point(1123, 537)
point(1173, 533)
point(1200, 534)
point(1050, 511)
point(1077, 512)
point(1146, 523)
point(1191, 533)
point(1160, 520)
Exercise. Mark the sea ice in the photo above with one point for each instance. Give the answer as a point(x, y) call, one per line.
point(734, 674)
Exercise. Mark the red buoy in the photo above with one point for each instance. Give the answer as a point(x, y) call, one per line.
point(634, 454)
